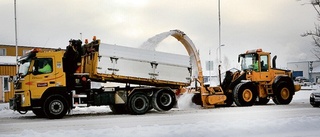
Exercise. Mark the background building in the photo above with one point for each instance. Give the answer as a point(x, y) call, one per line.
point(307, 69)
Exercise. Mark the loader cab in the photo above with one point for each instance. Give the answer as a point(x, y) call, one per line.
point(257, 64)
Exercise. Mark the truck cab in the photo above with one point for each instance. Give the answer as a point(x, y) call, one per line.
point(33, 80)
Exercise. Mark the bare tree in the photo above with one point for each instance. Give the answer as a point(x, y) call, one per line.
point(316, 33)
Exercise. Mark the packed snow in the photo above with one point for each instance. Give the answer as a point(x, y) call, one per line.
point(298, 118)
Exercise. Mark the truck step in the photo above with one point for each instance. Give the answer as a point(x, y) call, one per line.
point(77, 100)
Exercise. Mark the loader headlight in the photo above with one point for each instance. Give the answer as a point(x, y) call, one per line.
point(312, 95)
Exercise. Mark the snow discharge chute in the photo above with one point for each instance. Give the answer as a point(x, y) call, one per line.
point(205, 98)
point(152, 43)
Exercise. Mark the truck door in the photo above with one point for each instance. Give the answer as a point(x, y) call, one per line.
point(264, 67)
point(42, 76)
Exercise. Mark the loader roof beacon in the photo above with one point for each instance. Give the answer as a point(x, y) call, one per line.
point(151, 80)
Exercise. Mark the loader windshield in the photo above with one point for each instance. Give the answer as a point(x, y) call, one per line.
point(248, 61)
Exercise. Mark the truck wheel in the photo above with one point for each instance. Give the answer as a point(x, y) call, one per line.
point(262, 101)
point(244, 94)
point(119, 108)
point(55, 107)
point(283, 95)
point(138, 103)
point(163, 100)
point(39, 112)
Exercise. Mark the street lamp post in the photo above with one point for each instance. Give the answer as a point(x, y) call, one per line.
point(219, 57)
point(219, 31)
point(310, 74)
point(220, 53)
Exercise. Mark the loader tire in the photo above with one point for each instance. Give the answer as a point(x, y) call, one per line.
point(119, 109)
point(283, 95)
point(55, 107)
point(229, 100)
point(138, 103)
point(163, 100)
point(244, 94)
point(39, 113)
point(196, 99)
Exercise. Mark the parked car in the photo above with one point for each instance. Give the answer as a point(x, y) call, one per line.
point(315, 99)
point(304, 82)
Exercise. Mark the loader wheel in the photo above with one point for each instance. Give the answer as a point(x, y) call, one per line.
point(262, 101)
point(229, 100)
point(119, 108)
point(283, 95)
point(163, 100)
point(244, 94)
point(55, 107)
point(138, 103)
point(196, 99)
point(39, 112)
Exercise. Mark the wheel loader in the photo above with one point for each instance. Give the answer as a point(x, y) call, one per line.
point(255, 84)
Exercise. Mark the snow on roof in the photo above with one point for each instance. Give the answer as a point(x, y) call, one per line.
point(8, 60)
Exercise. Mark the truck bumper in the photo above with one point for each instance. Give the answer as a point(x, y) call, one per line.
point(17, 103)
point(13, 103)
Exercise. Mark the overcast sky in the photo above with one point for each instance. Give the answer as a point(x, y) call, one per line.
point(273, 25)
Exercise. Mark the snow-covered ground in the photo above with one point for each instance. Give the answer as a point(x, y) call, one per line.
point(298, 118)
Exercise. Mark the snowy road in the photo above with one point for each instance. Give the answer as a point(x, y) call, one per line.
point(297, 119)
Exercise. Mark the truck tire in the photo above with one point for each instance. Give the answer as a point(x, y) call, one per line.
point(163, 100)
point(138, 103)
point(39, 113)
point(283, 95)
point(55, 107)
point(262, 101)
point(119, 108)
point(244, 94)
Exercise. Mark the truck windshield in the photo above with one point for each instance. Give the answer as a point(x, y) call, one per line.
point(247, 61)
point(24, 67)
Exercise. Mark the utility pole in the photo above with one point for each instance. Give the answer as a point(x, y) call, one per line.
point(16, 33)
point(219, 32)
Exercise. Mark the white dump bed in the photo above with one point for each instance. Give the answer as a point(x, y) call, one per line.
point(141, 63)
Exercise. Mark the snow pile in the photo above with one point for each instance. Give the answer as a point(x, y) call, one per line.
point(296, 119)
point(185, 102)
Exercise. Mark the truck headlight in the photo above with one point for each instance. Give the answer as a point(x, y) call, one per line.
point(23, 98)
